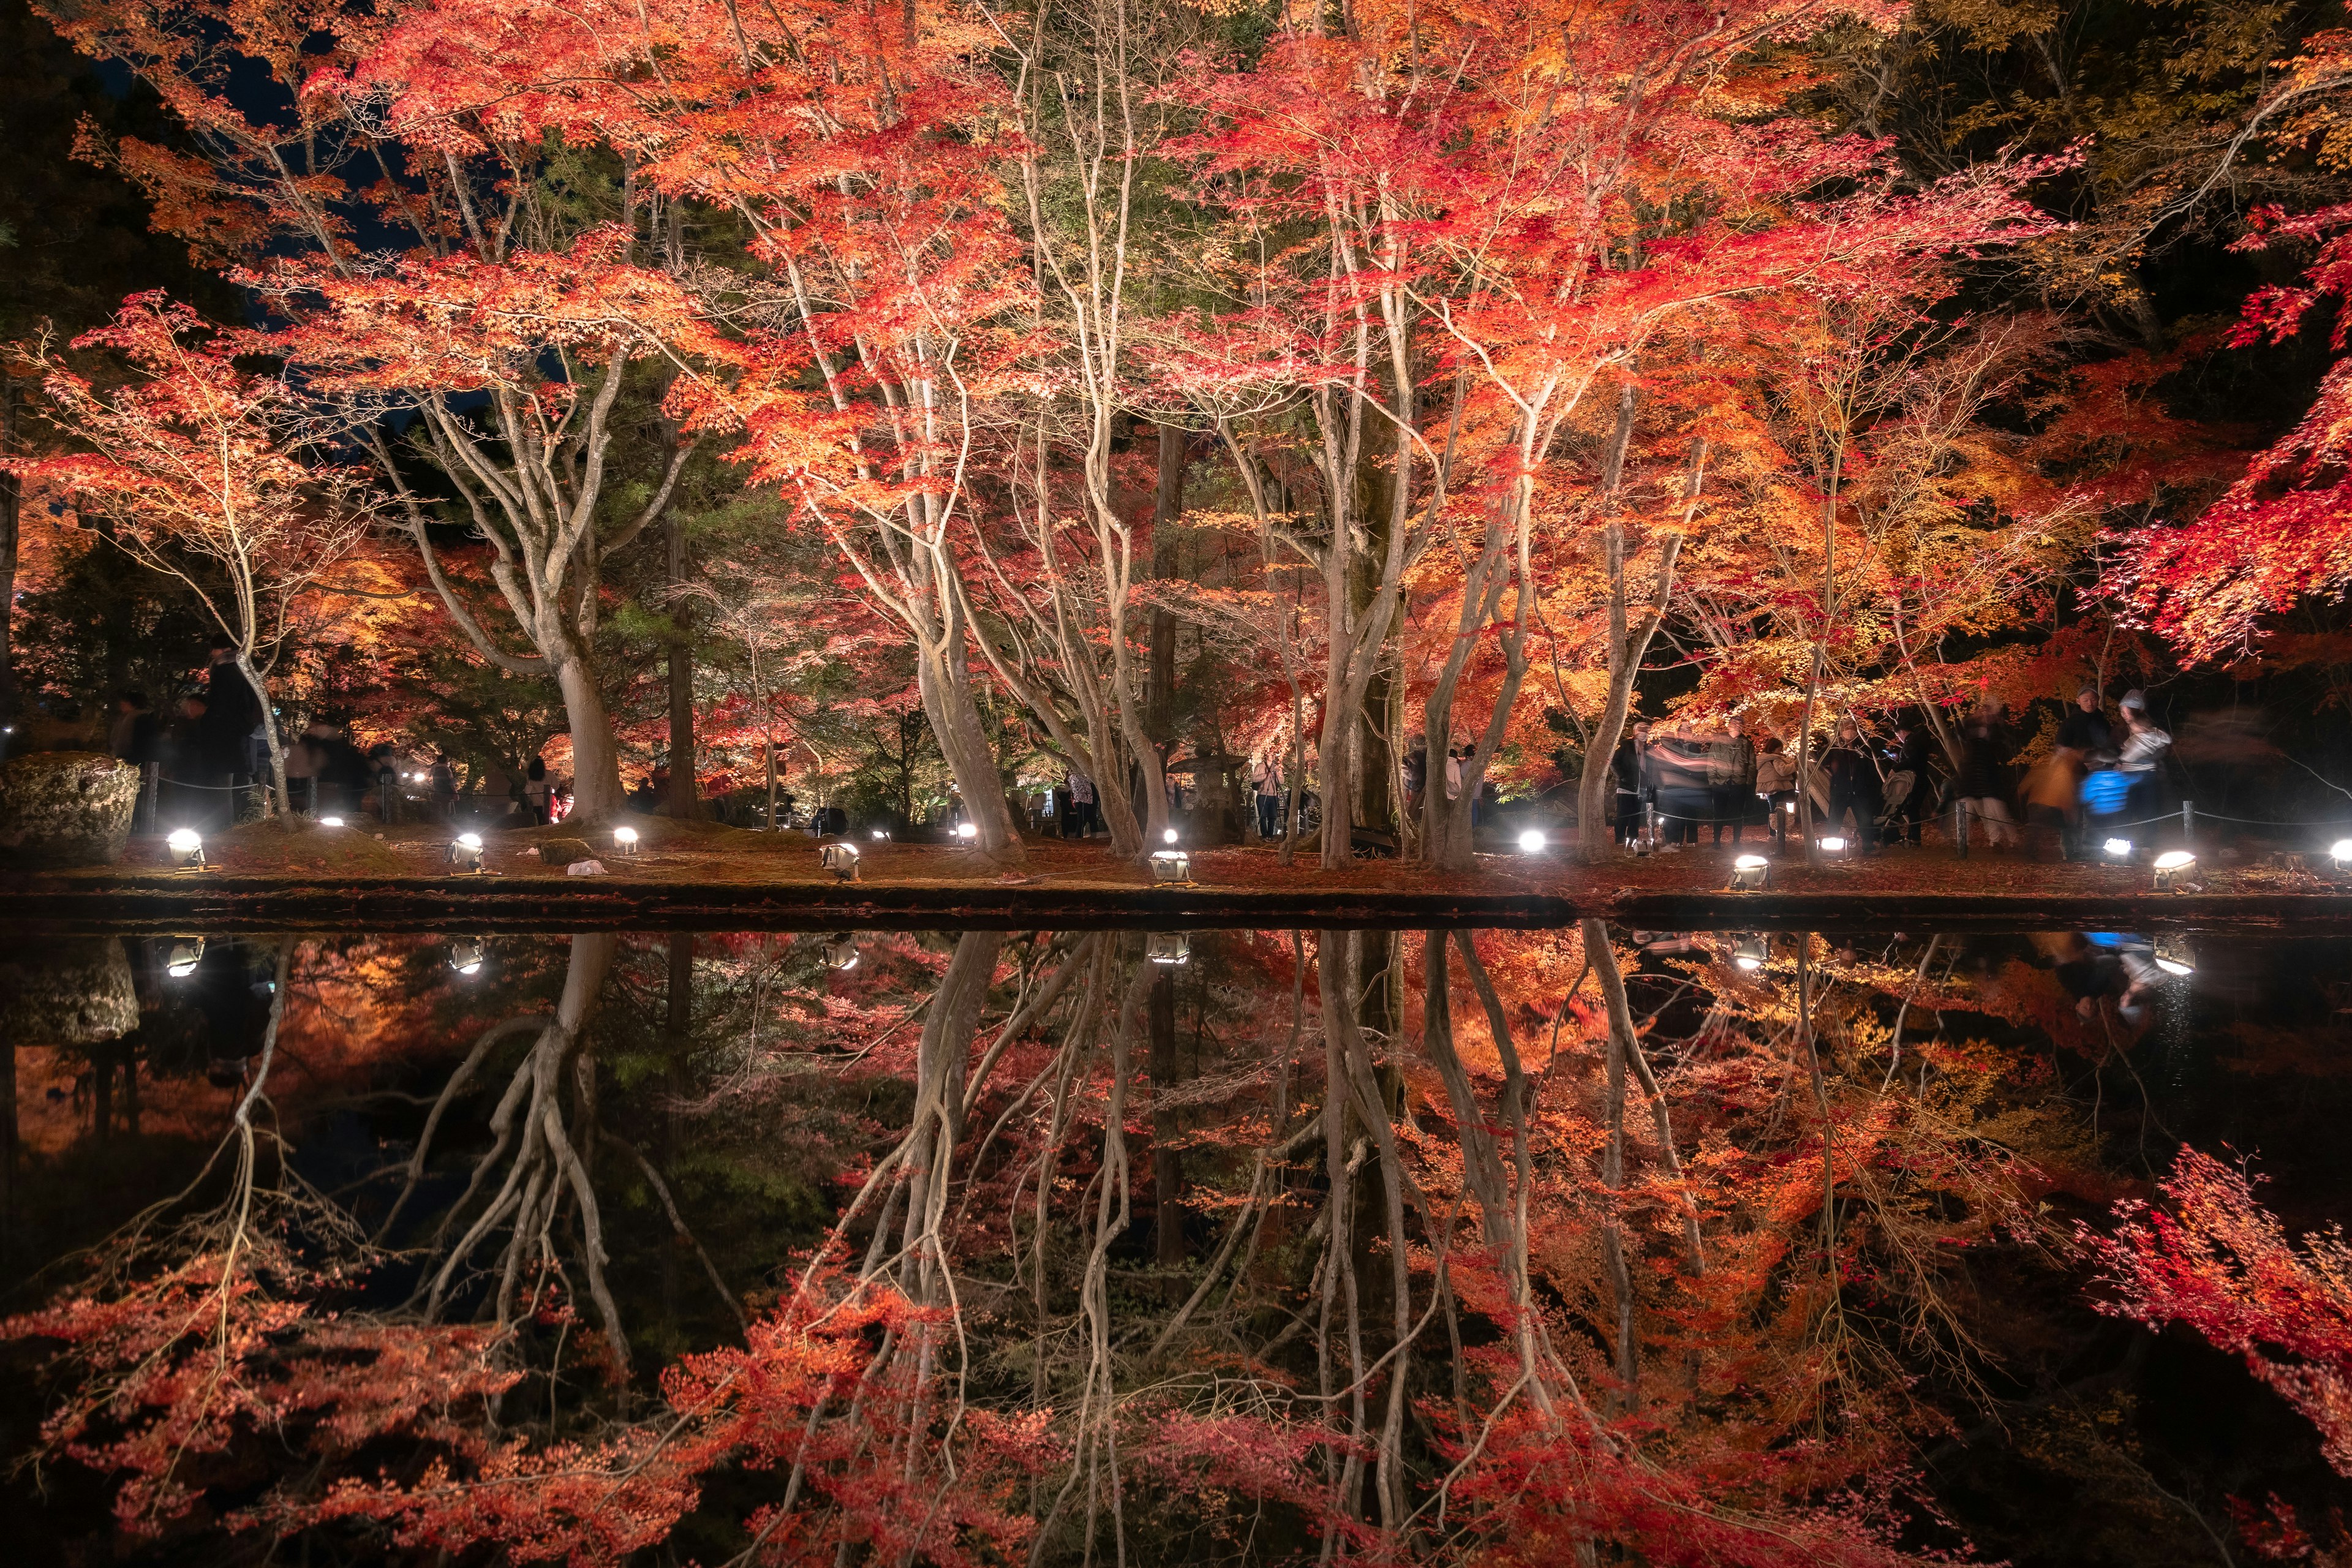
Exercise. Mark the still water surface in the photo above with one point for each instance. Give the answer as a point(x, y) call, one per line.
point(1099, 1245)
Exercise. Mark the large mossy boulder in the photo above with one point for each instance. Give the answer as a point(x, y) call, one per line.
point(69, 991)
point(64, 808)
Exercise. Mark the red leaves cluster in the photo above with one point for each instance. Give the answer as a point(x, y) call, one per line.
point(200, 1377)
point(2212, 1258)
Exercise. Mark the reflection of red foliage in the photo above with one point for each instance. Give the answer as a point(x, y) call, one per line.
point(2221, 1263)
point(182, 1370)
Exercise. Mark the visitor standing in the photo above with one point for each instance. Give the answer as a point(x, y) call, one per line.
point(1267, 782)
point(2085, 730)
point(1776, 785)
point(1082, 802)
point(537, 792)
point(1631, 782)
point(444, 782)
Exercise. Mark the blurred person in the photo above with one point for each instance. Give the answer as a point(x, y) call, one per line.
point(2140, 755)
point(443, 781)
point(1776, 785)
point(2051, 791)
point(1854, 785)
point(1680, 786)
point(1731, 771)
point(1632, 783)
point(133, 735)
point(1910, 773)
point(1985, 744)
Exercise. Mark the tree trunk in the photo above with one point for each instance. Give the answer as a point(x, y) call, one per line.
point(12, 498)
point(945, 682)
point(685, 799)
point(1167, 1163)
point(1166, 509)
point(596, 754)
point(279, 795)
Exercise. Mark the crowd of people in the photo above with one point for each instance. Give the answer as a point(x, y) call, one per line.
point(2101, 775)
point(207, 758)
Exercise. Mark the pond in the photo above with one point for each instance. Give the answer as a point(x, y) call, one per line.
point(1101, 1246)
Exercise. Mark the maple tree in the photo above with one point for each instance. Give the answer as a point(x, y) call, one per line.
point(208, 474)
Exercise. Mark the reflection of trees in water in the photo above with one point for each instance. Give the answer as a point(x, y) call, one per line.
point(1344, 1243)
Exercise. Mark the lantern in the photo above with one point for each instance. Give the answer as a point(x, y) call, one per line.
point(187, 847)
point(2173, 867)
point(840, 858)
point(1751, 874)
point(466, 852)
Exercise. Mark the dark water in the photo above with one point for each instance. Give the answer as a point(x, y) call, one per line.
point(785, 1247)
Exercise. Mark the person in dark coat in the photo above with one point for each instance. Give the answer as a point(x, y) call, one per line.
point(2085, 730)
point(1854, 785)
point(1627, 766)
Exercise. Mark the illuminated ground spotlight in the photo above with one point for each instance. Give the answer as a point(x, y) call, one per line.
point(624, 841)
point(466, 852)
point(840, 951)
point(2116, 848)
point(1833, 845)
point(968, 833)
point(1168, 947)
point(881, 836)
point(331, 821)
point(466, 956)
point(1751, 874)
point(1170, 866)
point(2172, 868)
point(187, 951)
point(1532, 841)
point(840, 858)
point(187, 847)
point(1168, 836)
point(2341, 853)
point(1749, 953)
point(2173, 956)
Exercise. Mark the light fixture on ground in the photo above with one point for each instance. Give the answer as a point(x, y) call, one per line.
point(881, 836)
point(1167, 836)
point(1751, 874)
point(331, 821)
point(1170, 864)
point(840, 858)
point(466, 852)
point(466, 956)
point(1748, 954)
point(2172, 868)
point(1531, 842)
point(969, 832)
point(187, 847)
point(1168, 947)
point(2341, 853)
point(187, 951)
point(2116, 848)
point(1833, 846)
point(840, 951)
point(624, 841)
point(2172, 956)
